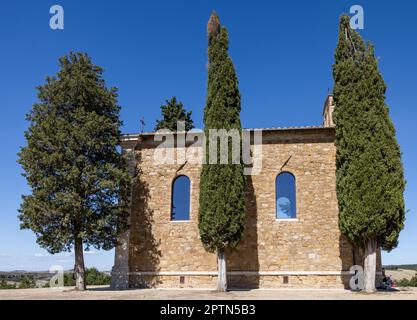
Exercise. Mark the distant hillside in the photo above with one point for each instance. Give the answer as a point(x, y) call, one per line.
point(31, 279)
point(401, 266)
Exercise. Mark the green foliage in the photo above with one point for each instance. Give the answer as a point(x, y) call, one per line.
point(408, 283)
point(173, 112)
point(79, 181)
point(370, 179)
point(93, 277)
point(222, 186)
point(27, 283)
point(69, 279)
point(4, 285)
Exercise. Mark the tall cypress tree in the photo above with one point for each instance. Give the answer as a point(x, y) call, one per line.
point(370, 178)
point(222, 186)
point(79, 181)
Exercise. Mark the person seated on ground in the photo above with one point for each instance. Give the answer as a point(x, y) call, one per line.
point(384, 277)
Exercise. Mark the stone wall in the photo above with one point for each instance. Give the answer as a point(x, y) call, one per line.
point(306, 252)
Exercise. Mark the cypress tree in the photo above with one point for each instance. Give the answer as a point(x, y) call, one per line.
point(222, 186)
point(79, 181)
point(370, 178)
point(172, 113)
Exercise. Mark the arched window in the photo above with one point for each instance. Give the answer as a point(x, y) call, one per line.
point(285, 196)
point(180, 204)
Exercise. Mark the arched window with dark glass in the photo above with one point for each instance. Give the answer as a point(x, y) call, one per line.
point(180, 204)
point(285, 196)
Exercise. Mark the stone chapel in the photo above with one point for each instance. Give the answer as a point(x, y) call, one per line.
point(291, 237)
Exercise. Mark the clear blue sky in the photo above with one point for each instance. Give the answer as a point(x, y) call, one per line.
point(153, 50)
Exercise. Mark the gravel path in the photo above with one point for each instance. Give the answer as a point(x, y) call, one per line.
point(104, 293)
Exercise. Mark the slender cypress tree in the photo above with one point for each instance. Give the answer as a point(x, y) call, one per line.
point(79, 181)
point(222, 186)
point(172, 113)
point(370, 178)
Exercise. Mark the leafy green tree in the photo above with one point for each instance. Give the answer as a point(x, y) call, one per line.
point(69, 279)
point(93, 277)
point(370, 178)
point(172, 113)
point(78, 178)
point(222, 186)
point(97, 278)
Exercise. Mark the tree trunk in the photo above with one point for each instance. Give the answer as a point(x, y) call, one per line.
point(79, 265)
point(221, 268)
point(370, 266)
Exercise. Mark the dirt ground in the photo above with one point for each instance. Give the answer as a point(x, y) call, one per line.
point(104, 293)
